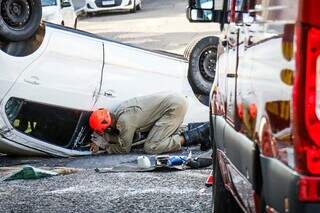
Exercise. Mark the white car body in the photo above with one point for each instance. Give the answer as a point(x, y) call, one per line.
point(54, 12)
point(63, 75)
point(111, 5)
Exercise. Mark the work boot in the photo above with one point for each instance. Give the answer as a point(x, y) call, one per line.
point(198, 135)
point(194, 125)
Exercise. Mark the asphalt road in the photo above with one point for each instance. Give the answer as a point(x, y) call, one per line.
point(161, 25)
point(89, 191)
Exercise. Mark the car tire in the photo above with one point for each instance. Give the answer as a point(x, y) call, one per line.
point(134, 9)
point(19, 23)
point(139, 6)
point(75, 23)
point(202, 55)
point(222, 198)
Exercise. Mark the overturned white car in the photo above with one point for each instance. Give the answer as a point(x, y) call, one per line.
point(49, 83)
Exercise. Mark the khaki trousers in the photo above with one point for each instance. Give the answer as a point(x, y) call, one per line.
point(159, 114)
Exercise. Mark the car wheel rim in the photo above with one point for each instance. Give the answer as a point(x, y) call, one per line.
point(15, 13)
point(207, 63)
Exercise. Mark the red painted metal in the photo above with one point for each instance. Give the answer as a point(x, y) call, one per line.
point(309, 12)
point(306, 122)
point(309, 189)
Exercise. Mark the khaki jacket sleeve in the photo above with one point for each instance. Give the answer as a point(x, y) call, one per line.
point(123, 142)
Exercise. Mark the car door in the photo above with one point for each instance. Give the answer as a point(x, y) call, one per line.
point(12, 67)
point(130, 72)
point(238, 148)
point(63, 76)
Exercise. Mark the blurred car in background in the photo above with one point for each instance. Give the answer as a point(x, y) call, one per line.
point(59, 12)
point(94, 6)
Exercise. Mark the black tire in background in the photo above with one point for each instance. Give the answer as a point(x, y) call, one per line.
point(222, 198)
point(139, 6)
point(134, 9)
point(19, 19)
point(202, 56)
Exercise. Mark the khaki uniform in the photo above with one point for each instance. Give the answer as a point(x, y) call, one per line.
point(159, 114)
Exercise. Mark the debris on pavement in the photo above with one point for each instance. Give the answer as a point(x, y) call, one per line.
point(197, 163)
point(30, 172)
point(159, 163)
point(202, 161)
point(144, 162)
point(65, 170)
point(166, 160)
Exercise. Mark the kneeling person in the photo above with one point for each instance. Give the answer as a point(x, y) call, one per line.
point(160, 115)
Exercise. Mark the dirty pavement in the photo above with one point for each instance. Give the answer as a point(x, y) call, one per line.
point(85, 190)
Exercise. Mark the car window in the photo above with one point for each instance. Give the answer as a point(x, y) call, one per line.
point(46, 3)
point(48, 123)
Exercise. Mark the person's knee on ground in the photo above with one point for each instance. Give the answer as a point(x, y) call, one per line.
point(161, 147)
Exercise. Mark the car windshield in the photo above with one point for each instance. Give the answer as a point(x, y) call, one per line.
point(46, 3)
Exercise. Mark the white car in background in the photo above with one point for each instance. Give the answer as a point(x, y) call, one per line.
point(59, 12)
point(93, 6)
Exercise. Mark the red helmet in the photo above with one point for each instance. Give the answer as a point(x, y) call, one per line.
point(100, 120)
